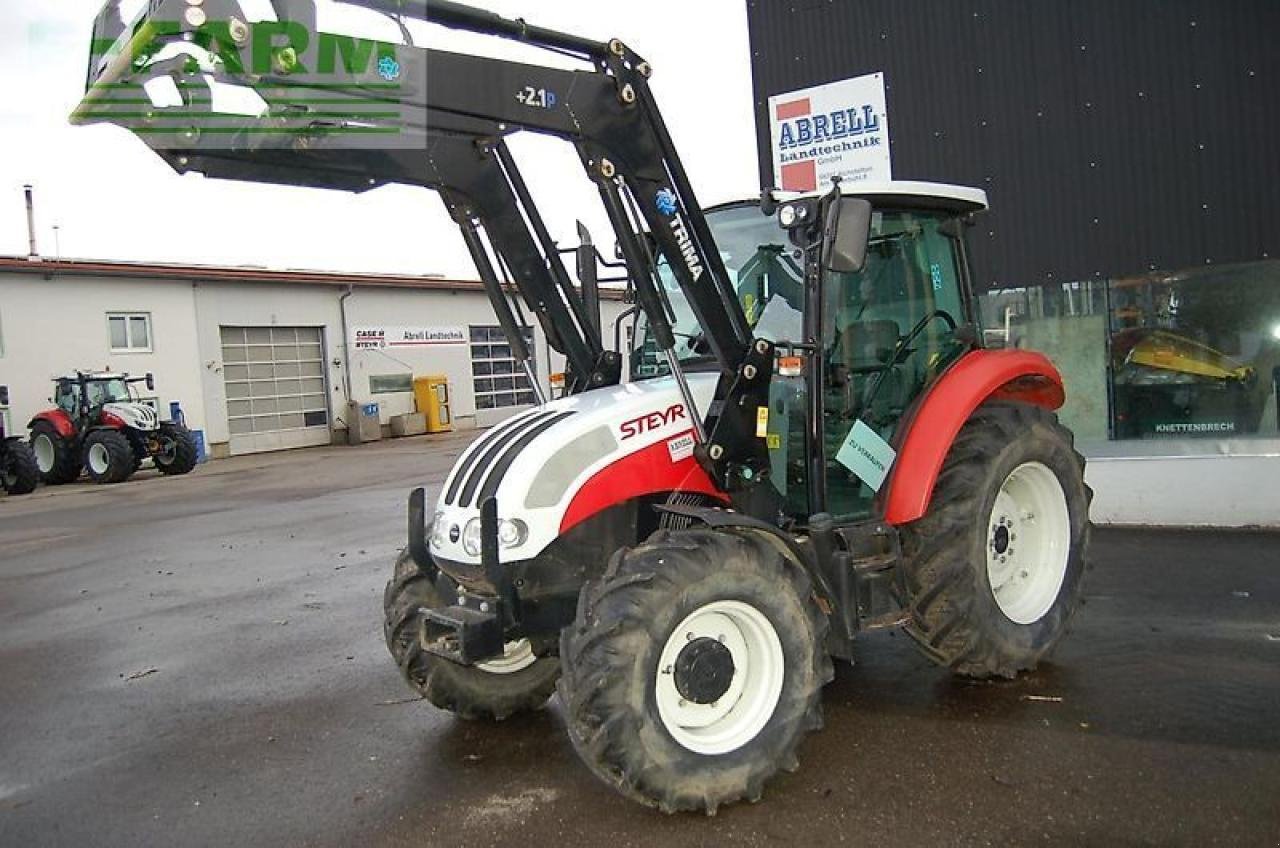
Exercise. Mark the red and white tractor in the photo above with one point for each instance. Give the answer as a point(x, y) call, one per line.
point(99, 425)
point(813, 443)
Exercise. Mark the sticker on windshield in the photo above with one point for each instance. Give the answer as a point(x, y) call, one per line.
point(866, 455)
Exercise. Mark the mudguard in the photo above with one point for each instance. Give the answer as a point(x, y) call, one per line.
point(978, 376)
point(61, 422)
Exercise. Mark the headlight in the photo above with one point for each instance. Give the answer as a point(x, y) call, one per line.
point(787, 216)
point(471, 537)
point(437, 530)
point(511, 534)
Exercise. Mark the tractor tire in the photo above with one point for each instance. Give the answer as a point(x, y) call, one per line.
point(19, 472)
point(56, 457)
point(694, 669)
point(494, 690)
point(992, 573)
point(108, 458)
point(178, 453)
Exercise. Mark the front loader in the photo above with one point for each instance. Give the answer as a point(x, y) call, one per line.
point(813, 442)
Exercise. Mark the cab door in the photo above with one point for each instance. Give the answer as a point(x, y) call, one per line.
point(887, 332)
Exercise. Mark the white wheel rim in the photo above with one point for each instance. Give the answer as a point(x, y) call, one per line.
point(99, 458)
point(1028, 542)
point(44, 453)
point(742, 711)
point(515, 656)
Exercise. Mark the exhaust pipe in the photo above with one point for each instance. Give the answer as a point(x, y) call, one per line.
point(32, 254)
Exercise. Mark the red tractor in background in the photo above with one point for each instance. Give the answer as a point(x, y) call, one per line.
point(18, 472)
point(100, 426)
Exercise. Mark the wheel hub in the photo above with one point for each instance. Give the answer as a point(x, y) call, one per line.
point(1028, 542)
point(719, 677)
point(1000, 539)
point(704, 670)
point(43, 447)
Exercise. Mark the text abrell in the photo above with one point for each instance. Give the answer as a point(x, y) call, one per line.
point(652, 420)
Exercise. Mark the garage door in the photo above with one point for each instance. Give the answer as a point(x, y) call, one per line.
point(276, 395)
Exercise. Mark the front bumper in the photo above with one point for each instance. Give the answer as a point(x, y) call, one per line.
point(495, 603)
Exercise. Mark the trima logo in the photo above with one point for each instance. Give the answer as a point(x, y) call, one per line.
point(666, 202)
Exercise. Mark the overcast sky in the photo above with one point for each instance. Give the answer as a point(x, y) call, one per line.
point(112, 198)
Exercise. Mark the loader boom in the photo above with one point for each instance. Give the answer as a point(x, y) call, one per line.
point(608, 113)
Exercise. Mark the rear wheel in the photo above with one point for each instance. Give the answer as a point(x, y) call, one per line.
point(993, 571)
point(177, 453)
point(56, 458)
point(518, 681)
point(694, 669)
point(19, 472)
point(108, 458)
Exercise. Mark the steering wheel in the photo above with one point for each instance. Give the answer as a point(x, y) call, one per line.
point(902, 346)
point(930, 317)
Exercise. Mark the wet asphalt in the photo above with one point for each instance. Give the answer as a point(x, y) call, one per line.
point(198, 661)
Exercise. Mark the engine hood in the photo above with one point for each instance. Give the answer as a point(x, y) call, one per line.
point(553, 465)
point(139, 416)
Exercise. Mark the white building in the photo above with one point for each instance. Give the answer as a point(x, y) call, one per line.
point(259, 359)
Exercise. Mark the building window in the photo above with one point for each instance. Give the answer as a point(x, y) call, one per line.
point(130, 332)
point(384, 384)
point(496, 376)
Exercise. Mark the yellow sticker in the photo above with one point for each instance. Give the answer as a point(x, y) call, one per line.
point(775, 441)
point(762, 422)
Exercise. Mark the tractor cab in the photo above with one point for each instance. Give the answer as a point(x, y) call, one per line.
point(858, 349)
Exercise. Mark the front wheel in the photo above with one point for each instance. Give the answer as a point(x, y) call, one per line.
point(177, 453)
point(993, 570)
point(518, 681)
point(57, 459)
point(108, 457)
point(694, 669)
point(19, 472)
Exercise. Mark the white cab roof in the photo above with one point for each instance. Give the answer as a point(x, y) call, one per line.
point(960, 198)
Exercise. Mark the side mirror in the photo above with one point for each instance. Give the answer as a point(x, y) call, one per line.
point(151, 378)
point(845, 234)
point(4, 395)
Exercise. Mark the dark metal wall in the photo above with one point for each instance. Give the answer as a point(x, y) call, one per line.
point(1112, 136)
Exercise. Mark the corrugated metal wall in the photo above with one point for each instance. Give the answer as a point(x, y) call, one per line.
point(1112, 136)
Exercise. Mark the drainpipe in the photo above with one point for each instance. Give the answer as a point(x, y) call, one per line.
point(353, 424)
point(32, 254)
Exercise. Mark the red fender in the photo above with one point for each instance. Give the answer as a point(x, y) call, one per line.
point(978, 376)
point(62, 423)
point(648, 471)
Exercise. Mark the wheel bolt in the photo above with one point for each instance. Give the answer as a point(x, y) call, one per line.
point(1002, 557)
point(1024, 574)
point(689, 636)
point(682, 703)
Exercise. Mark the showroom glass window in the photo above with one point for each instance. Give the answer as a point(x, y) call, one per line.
point(1195, 353)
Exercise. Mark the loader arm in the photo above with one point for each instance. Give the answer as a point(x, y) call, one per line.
point(608, 113)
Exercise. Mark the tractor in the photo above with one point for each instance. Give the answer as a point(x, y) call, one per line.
point(18, 472)
point(811, 443)
point(98, 424)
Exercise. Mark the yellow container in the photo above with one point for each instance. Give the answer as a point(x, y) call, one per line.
point(431, 397)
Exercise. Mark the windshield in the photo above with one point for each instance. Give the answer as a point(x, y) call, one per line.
point(107, 391)
point(767, 278)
